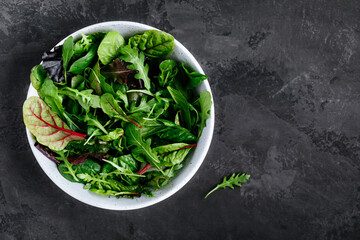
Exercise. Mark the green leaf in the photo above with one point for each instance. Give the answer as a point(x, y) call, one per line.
point(194, 78)
point(113, 135)
point(94, 78)
point(142, 149)
point(49, 93)
point(84, 98)
point(67, 51)
point(154, 43)
point(183, 104)
point(79, 65)
point(37, 76)
point(144, 105)
point(205, 105)
point(89, 166)
point(109, 47)
point(46, 125)
point(168, 71)
point(234, 180)
point(111, 108)
point(77, 81)
point(131, 55)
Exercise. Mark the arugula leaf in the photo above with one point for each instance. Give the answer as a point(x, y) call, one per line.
point(79, 65)
point(205, 105)
point(144, 106)
point(37, 76)
point(84, 98)
point(168, 70)
point(183, 104)
point(234, 180)
point(67, 52)
point(154, 43)
point(109, 47)
point(194, 78)
point(111, 108)
point(142, 149)
point(131, 55)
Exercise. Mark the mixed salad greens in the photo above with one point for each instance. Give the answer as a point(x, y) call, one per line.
point(114, 113)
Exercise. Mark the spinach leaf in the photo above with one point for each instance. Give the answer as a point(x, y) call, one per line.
point(111, 108)
point(154, 43)
point(142, 149)
point(37, 76)
point(77, 82)
point(67, 52)
point(131, 55)
point(79, 65)
point(89, 167)
point(168, 70)
point(109, 47)
point(183, 104)
point(194, 78)
point(205, 105)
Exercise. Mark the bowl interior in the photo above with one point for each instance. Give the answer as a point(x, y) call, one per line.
point(191, 165)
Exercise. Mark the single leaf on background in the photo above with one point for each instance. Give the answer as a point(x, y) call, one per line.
point(234, 180)
point(111, 108)
point(194, 78)
point(67, 51)
point(79, 65)
point(183, 104)
point(205, 105)
point(37, 76)
point(154, 43)
point(137, 61)
point(46, 126)
point(142, 149)
point(168, 70)
point(109, 47)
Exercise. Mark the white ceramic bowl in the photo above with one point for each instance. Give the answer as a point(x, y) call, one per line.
point(192, 164)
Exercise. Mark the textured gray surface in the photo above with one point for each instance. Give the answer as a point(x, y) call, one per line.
point(285, 78)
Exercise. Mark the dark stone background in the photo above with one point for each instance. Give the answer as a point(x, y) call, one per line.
point(285, 79)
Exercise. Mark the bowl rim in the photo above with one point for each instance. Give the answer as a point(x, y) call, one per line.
point(171, 190)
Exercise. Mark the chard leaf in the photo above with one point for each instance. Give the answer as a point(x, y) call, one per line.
point(168, 71)
point(67, 51)
point(131, 55)
point(111, 108)
point(109, 47)
point(79, 65)
point(205, 105)
point(194, 78)
point(142, 149)
point(154, 43)
point(46, 125)
point(37, 76)
point(183, 104)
